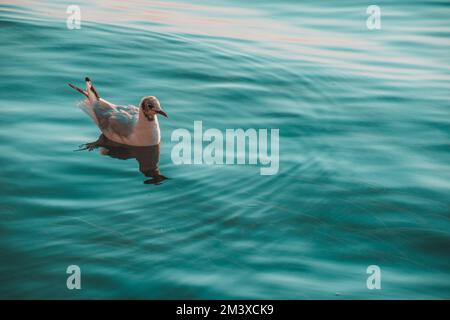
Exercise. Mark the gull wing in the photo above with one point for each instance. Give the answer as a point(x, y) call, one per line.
point(119, 120)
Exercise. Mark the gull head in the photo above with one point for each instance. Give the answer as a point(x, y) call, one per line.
point(150, 107)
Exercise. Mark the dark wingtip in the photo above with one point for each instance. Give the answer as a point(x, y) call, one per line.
point(87, 79)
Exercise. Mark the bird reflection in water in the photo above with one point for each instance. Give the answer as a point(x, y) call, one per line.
point(147, 157)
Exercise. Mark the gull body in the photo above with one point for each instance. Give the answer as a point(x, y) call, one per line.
point(128, 125)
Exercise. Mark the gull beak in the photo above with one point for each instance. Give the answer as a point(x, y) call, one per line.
point(162, 113)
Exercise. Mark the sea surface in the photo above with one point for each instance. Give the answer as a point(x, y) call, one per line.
point(364, 176)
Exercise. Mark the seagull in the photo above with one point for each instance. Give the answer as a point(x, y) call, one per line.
point(127, 125)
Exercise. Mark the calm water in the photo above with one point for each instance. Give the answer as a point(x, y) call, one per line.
point(364, 150)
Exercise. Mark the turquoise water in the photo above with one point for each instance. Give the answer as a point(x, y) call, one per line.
point(364, 173)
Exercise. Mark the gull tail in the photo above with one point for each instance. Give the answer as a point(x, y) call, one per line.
point(91, 93)
point(92, 98)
